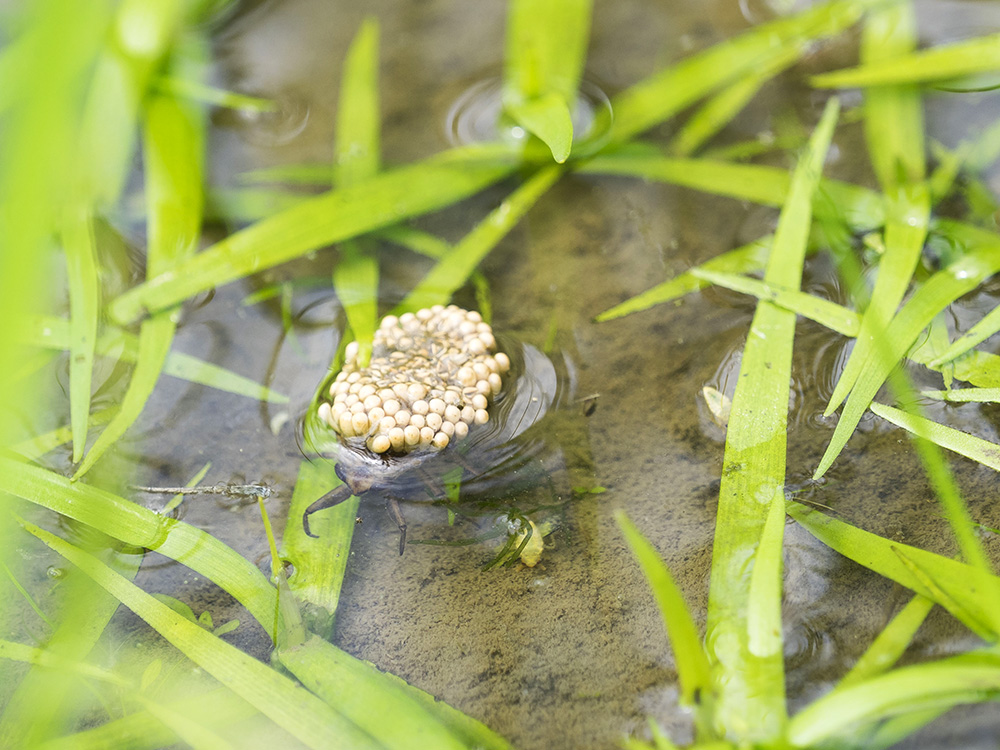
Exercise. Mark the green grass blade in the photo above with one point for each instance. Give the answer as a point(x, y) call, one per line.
point(890, 644)
point(665, 93)
point(958, 587)
point(720, 110)
point(355, 278)
point(376, 706)
point(53, 333)
point(968, 678)
point(357, 149)
point(835, 317)
point(454, 269)
point(45, 701)
point(981, 331)
point(174, 145)
point(895, 136)
point(319, 563)
point(549, 119)
point(693, 671)
point(45, 658)
point(966, 395)
point(84, 296)
point(38, 446)
point(140, 730)
point(545, 49)
point(861, 208)
point(764, 632)
point(970, 446)
point(753, 475)
point(198, 91)
point(135, 525)
point(948, 61)
point(906, 230)
point(288, 705)
point(747, 259)
point(315, 222)
point(894, 122)
point(943, 288)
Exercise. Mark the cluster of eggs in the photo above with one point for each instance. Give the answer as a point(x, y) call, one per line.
point(432, 375)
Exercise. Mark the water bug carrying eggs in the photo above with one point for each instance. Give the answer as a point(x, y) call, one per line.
point(438, 392)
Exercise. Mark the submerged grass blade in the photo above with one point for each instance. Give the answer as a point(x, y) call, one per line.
point(947, 61)
point(315, 222)
point(53, 333)
point(319, 563)
point(454, 269)
point(943, 288)
point(965, 591)
point(720, 110)
point(288, 705)
point(665, 93)
point(693, 670)
point(174, 138)
point(84, 296)
point(747, 259)
point(970, 446)
point(968, 678)
point(890, 644)
point(835, 317)
point(753, 476)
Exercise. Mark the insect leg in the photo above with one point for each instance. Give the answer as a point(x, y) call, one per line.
point(397, 515)
point(331, 498)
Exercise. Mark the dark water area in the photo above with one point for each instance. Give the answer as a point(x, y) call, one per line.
point(570, 653)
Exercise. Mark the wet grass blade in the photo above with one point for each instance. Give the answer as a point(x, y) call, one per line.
point(276, 696)
point(665, 93)
point(970, 446)
point(753, 476)
point(319, 563)
point(174, 136)
point(747, 259)
point(315, 222)
point(764, 631)
point(835, 317)
point(942, 63)
point(860, 207)
point(375, 705)
point(545, 49)
point(895, 136)
point(962, 589)
point(197, 91)
point(135, 525)
point(84, 295)
point(943, 288)
point(968, 678)
point(454, 269)
point(977, 334)
point(890, 644)
point(693, 670)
